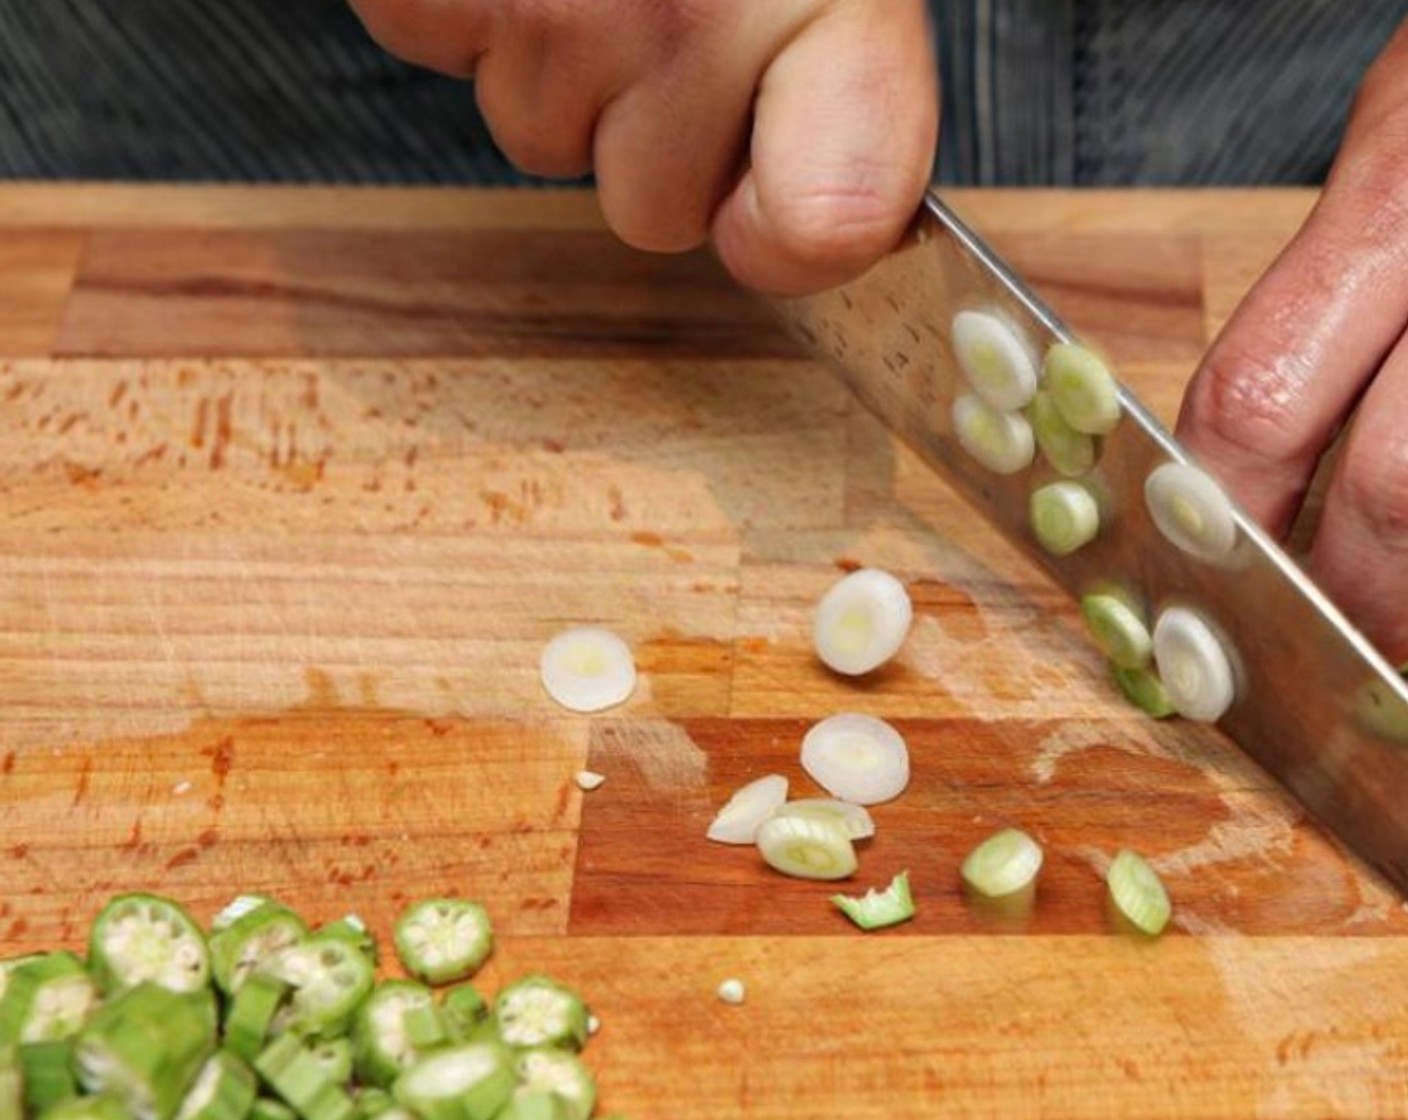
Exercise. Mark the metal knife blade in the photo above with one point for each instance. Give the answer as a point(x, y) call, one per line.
point(1316, 704)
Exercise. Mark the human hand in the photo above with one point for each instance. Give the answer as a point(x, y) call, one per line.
point(799, 134)
point(1322, 330)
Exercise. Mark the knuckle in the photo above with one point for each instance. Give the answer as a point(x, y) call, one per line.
point(1252, 408)
point(1374, 487)
point(836, 228)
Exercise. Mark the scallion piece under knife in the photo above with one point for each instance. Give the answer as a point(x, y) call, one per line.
point(1001, 441)
point(1065, 516)
point(1117, 629)
point(1069, 452)
point(1082, 388)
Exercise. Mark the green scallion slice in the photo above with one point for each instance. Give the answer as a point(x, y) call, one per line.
point(807, 848)
point(878, 909)
point(444, 939)
point(1000, 441)
point(1082, 388)
point(537, 1011)
point(1138, 894)
point(855, 819)
point(1065, 516)
point(142, 937)
point(994, 359)
point(1069, 452)
point(1143, 689)
point(1118, 630)
point(1004, 863)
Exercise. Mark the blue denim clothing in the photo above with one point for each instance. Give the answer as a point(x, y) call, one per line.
point(1035, 92)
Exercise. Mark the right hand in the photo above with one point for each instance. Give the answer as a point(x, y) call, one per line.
point(798, 134)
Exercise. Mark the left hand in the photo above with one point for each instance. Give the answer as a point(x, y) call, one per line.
point(1322, 330)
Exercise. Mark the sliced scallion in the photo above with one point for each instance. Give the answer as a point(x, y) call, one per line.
point(1138, 893)
point(1118, 630)
point(587, 669)
point(994, 359)
point(857, 758)
point(1069, 452)
point(588, 780)
point(1191, 511)
point(862, 621)
point(732, 991)
point(877, 909)
point(807, 848)
point(1065, 516)
point(1082, 388)
point(857, 822)
point(1193, 666)
point(1143, 689)
point(1000, 441)
point(1004, 863)
point(743, 814)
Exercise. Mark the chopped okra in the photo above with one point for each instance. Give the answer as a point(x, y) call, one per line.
point(538, 1011)
point(561, 1074)
point(140, 937)
point(238, 949)
point(444, 939)
point(471, 1081)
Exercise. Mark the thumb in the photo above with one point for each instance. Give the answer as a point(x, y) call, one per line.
point(844, 133)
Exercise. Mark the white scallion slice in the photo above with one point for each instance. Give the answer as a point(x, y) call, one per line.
point(588, 780)
point(1070, 452)
point(857, 822)
point(1143, 689)
point(1065, 517)
point(1004, 863)
point(586, 669)
point(862, 621)
point(857, 758)
point(1193, 666)
point(732, 991)
point(807, 848)
point(1138, 893)
point(1191, 510)
point(739, 820)
point(1000, 441)
point(1082, 388)
point(994, 359)
point(1117, 629)
point(878, 909)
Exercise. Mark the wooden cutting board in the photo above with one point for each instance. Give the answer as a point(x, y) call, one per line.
point(294, 485)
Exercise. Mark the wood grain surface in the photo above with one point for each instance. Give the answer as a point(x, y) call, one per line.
point(295, 484)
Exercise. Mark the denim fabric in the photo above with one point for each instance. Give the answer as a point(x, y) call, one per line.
point(1035, 92)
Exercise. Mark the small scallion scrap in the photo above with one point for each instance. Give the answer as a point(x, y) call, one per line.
point(878, 909)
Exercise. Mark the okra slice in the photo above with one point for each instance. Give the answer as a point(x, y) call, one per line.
point(224, 1089)
point(464, 1009)
point(146, 1046)
point(537, 1011)
point(472, 1081)
point(8, 966)
point(425, 1027)
point(11, 1084)
point(238, 950)
point(267, 1108)
point(444, 939)
point(352, 929)
point(86, 1108)
point(534, 1104)
point(562, 1075)
point(47, 999)
point(250, 1019)
point(237, 908)
point(294, 1073)
point(381, 1045)
point(334, 1058)
point(46, 1071)
point(329, 977)
point(141, 937)
point(372, 1100)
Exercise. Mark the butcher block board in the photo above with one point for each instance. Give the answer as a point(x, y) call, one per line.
point(296, 483)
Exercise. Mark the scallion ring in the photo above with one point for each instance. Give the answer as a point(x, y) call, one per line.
point(744, 813)
point(1065, 517)
point(994, 359)
point(1138, 893)
point(1000, 441)
point(1082, 388)
point(1004, 863)
point(857, 758)
point(1191, 511)
point(1117, 630)
point(1193, 665)
point(861, 622)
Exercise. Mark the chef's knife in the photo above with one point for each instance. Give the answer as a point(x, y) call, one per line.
point(1315, 703)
